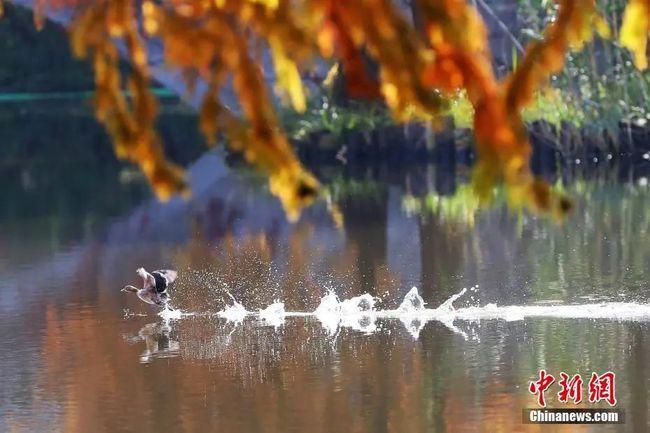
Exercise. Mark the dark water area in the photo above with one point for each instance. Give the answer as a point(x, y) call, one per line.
point(78, 355)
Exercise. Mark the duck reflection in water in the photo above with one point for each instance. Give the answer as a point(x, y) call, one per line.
point(158, 344)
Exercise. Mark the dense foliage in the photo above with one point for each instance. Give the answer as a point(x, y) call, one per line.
point(421, 66)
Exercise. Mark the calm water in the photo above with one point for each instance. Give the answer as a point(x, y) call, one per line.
point(77, 355)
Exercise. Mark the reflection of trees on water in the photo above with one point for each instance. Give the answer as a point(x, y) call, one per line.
point(299, 377)
point(441, 253)
point(231, 239)
point(366, 222)
point(638, 362)
point(239, 378)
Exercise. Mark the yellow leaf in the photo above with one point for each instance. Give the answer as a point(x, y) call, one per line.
point(271, 4)
point(635, 29)
point(288, 76)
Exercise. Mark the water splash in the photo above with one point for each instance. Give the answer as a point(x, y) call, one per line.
point(413, 325)
point(448, 305)
point(273, 315)
point(412, 312)
point(170, 313)
point(235, 313)
point(328, 312)
point(620, 311)
point(360, 313)
point(412, 303)
point(358, 305)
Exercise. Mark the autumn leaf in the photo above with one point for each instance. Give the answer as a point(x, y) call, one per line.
point(636, 30)
point(334, 34)
point(288, 76)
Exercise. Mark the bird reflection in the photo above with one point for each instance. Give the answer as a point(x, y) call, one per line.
point(157, 340)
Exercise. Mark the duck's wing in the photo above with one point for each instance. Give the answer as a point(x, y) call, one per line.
point(168, 274)
point(147, 278)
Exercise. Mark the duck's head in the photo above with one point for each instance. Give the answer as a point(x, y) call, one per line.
point(130, 289)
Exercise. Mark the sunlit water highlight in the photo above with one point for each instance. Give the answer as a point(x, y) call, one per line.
point(360, 313)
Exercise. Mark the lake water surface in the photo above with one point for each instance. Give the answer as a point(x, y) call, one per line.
point(77, 355)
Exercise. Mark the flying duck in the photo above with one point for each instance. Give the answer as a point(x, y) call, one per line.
point(154, 287)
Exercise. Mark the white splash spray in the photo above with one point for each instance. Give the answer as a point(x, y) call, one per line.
point(328, 312)
point(235, 313)
point(273, 315)
point(412, 313)
point(359, 313)
point(412, 303)
point(170, 313)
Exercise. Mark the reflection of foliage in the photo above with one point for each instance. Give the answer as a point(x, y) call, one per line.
point(417, 68)
point(463, 206)
point(596, 254)
point(340, 188)
point(460, 207)
point(606, 251)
